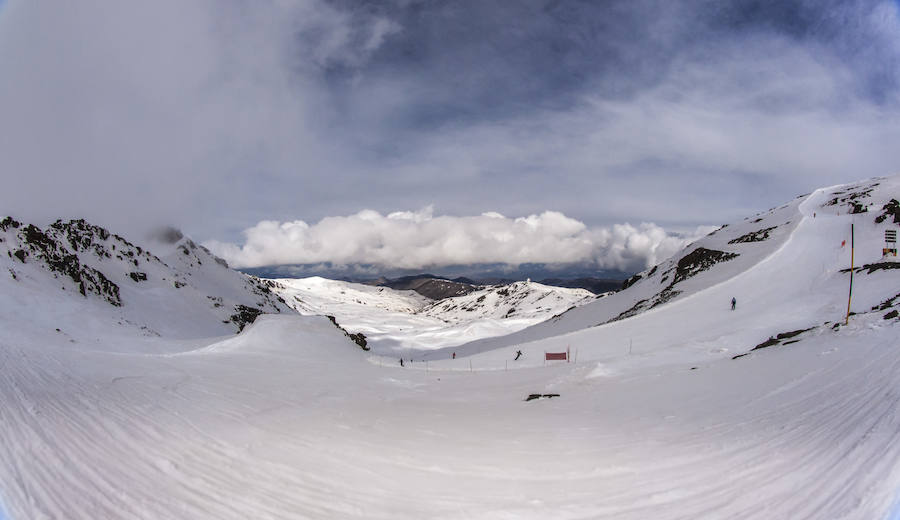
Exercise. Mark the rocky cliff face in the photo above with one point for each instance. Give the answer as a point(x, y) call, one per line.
point(186, 290)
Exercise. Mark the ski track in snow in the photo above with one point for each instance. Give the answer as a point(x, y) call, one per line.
point(232, 434)
point(291, 420)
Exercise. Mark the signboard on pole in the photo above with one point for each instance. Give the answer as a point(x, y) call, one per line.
point(890, 242)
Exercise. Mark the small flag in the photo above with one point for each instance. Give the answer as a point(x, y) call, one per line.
point(843, 243)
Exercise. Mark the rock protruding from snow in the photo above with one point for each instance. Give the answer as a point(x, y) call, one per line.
point(517, 300)
point(391, 319)
point(189, 293)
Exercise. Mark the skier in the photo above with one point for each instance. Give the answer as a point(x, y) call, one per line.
point(733, 303)
point(401, 362)
point(454, 355)
point(518, 355)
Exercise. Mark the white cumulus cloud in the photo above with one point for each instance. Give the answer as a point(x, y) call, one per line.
point(418, 239)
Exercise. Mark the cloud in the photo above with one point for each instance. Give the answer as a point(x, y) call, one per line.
point(418, 239)
point(213, 115)
point(139, 113)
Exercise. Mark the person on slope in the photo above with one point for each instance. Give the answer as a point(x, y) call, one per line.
point(518, 355)
point(401, 362)
point(733, 303)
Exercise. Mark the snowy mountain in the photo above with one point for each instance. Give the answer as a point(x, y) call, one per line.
point(525, 300)
point(85, 281)
point(671, 406)
point(401, 319)
point(813, 255)
point(739, 248)
point(430, 286)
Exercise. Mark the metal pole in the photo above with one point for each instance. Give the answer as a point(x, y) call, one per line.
point(850, 294)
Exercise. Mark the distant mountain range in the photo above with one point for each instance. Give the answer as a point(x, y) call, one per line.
point(574, 276)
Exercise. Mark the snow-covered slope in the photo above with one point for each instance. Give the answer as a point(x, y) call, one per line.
point(88, 282)
point(814, 256)
point(662, 415)
point(790, 281)
point(316, 295)
point(524, 300)
point(396, 321)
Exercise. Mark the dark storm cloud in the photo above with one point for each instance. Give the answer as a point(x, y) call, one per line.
point(487, 60)
point(218, 115)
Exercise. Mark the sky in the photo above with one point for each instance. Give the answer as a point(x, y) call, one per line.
point(258, 126)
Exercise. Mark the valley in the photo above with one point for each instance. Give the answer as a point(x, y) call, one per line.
point(200, 392)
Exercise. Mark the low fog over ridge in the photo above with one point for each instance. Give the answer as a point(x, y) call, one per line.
point(411, 240)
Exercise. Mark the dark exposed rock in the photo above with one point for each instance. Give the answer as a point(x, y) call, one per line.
point(138, 276)
point(892, 314)
point(665, 295)
point(871, 268)
point(59, 260)
point(244, 315)
point(532, 397)
point(755, 236)
point(699, 260)
point(631, 281)
point(776, 340)
point(9, 222)
point(852, 196)
point(890, 210)
point(890, 302)
point(359, 338)
point(696, 261)
point(856, 207)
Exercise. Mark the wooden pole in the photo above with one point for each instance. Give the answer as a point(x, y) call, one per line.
point(850, 294)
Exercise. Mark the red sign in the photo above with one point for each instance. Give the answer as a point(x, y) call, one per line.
point(552, 356)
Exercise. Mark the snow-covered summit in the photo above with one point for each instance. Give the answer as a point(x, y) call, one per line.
point(524, 299)
point(52, 276)
point(783, 259)
point(400, 319)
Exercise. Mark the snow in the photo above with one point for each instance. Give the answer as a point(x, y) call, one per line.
point(290, 419)
point(399, 322)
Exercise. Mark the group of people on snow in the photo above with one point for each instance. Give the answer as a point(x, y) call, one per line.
point(453, 356)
